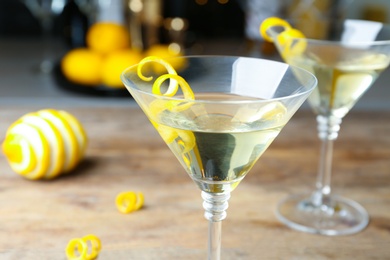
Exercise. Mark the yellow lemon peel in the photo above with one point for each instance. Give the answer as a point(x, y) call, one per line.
point(272, 22)
point(169, 134)
point(148, 59)
point(293, 42)
point(77, 248)
point(172, 90)
point(129, 201)
point(290, 40)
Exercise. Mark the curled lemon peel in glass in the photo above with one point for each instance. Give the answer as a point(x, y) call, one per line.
point(168, 67)
point(291, 40)
point(129, 201)
point(186, 89)
point(85, 248)
point(159, 105)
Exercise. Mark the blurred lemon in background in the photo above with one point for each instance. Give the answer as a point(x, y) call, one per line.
point(82, 66)
point(115, 63)
point(109, 53)
point(106, 37)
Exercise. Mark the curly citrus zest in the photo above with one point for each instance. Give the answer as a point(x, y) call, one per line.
point(77, 248)
point(129, 201)
point(186, 89)
point(272, 22)
point(168, 134)
point(291, 41)
point(157, 106)
point(168, 67)
point(95, 243)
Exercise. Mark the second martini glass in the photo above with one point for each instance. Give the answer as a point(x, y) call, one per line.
point(239, 106)
point(346, 64)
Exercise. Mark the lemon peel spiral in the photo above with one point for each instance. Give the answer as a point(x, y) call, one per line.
point(272, 22)
point(85, 248)
point(157, 106)
point(168, 67)
point(290, 40)
point(129, 201)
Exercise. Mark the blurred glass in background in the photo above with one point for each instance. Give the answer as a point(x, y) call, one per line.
point(186, 24)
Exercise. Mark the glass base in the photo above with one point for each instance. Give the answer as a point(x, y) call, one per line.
point(339, 216)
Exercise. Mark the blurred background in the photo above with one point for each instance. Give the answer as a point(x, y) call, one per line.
point(36, 35)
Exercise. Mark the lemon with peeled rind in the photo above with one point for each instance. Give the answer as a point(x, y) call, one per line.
point(17, 150)
point(272, 22)
point(71, 146)
point(78, 130)
point(56, 144)
point(44, 144)
point(29, 157)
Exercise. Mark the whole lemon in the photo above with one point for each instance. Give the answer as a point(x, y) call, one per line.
point(166, 51)
point(82, 66)
point(115, 63)
point(105, 37)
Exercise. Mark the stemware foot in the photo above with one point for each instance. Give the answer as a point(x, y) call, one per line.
point(338, 216)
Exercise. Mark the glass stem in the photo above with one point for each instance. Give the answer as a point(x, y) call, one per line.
point(328, 129)
point(46, 65)
point(215, 205)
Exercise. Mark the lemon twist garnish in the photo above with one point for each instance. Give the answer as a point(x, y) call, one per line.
point(129, 201)
point(85, 248)
point(272, 22)
point(157, 106)
point(290, 40)
point(186, 89)
point(173, 84)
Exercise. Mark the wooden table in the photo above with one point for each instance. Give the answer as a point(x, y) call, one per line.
point(38, 218)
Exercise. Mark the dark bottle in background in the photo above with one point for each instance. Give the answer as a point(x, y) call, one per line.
point(74, 25)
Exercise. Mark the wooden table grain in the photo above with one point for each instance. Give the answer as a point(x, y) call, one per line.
point(38, 218)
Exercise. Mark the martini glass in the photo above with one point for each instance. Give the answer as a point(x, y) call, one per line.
point(240, 106)
point(346, 64)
